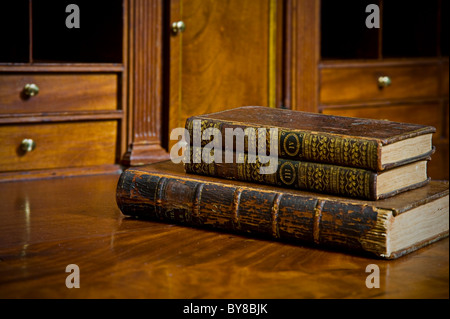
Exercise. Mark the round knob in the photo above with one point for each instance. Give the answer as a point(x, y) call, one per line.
point(31, 89)
point(27, 145)
point(178, 27)
point(384, 81)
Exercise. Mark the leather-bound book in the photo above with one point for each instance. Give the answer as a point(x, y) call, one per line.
point(352, 142)
point(315, 177)
point(387, 228)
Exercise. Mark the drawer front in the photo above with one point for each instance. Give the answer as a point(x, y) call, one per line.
point(429, 114)
point(347, 85)
point(57, 145)
point(57, 92)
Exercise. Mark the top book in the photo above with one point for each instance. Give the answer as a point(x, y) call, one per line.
point(354, 142)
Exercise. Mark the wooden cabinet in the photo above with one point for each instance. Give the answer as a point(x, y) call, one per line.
point(226, 57)
point(88, 95)
point(399, 71)
point(61, 87)
point(127, 78)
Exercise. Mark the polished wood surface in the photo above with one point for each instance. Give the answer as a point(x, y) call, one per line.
point(52, 223)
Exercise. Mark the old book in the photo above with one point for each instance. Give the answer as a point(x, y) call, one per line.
point(386, 228)
point(354, 142)
point(311, 176)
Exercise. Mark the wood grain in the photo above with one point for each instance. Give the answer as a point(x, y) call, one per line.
point(48, 117)
point(304, 31)
point(444, 79)
point(92, 87)
point(340, 85)
point(128, 90)
point(221, 60)
point(314, 83)
point(126, 258)
point(144, 73)
point(58, 93)
point(60, 172)
point(58, 145)
point(62, 67)
point(438, 166)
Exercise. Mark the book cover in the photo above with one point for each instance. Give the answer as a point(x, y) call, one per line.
point(386, 228)
point(310, 176)
point(353, 142)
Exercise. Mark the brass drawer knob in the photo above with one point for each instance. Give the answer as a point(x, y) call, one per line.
point(30, 89)
point(27, 145)
point(384, 81)
point(178, 27)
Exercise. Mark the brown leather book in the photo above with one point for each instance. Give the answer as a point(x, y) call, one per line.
point(315, 177)
point(387, 228)
point(353, 142)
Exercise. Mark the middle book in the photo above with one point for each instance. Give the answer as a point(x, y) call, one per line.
point(368, 159)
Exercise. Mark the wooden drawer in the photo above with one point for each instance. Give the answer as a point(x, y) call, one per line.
point(429, 114)
point(348, 85)
point(58, 93)
point(58, 145)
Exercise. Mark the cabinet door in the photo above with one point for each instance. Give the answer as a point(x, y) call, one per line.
point(225, 58)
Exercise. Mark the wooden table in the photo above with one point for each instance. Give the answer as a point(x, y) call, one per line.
point(49, 224)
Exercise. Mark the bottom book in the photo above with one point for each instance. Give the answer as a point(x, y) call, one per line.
point(387, 228)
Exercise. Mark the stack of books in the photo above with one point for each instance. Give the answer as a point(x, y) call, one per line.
point(349, 183)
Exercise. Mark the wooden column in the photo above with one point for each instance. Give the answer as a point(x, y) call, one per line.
point(145, 83)
point(302, 55)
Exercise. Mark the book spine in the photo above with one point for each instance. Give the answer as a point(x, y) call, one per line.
point(308, 176)
point(247, 210)
point(300, 145)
